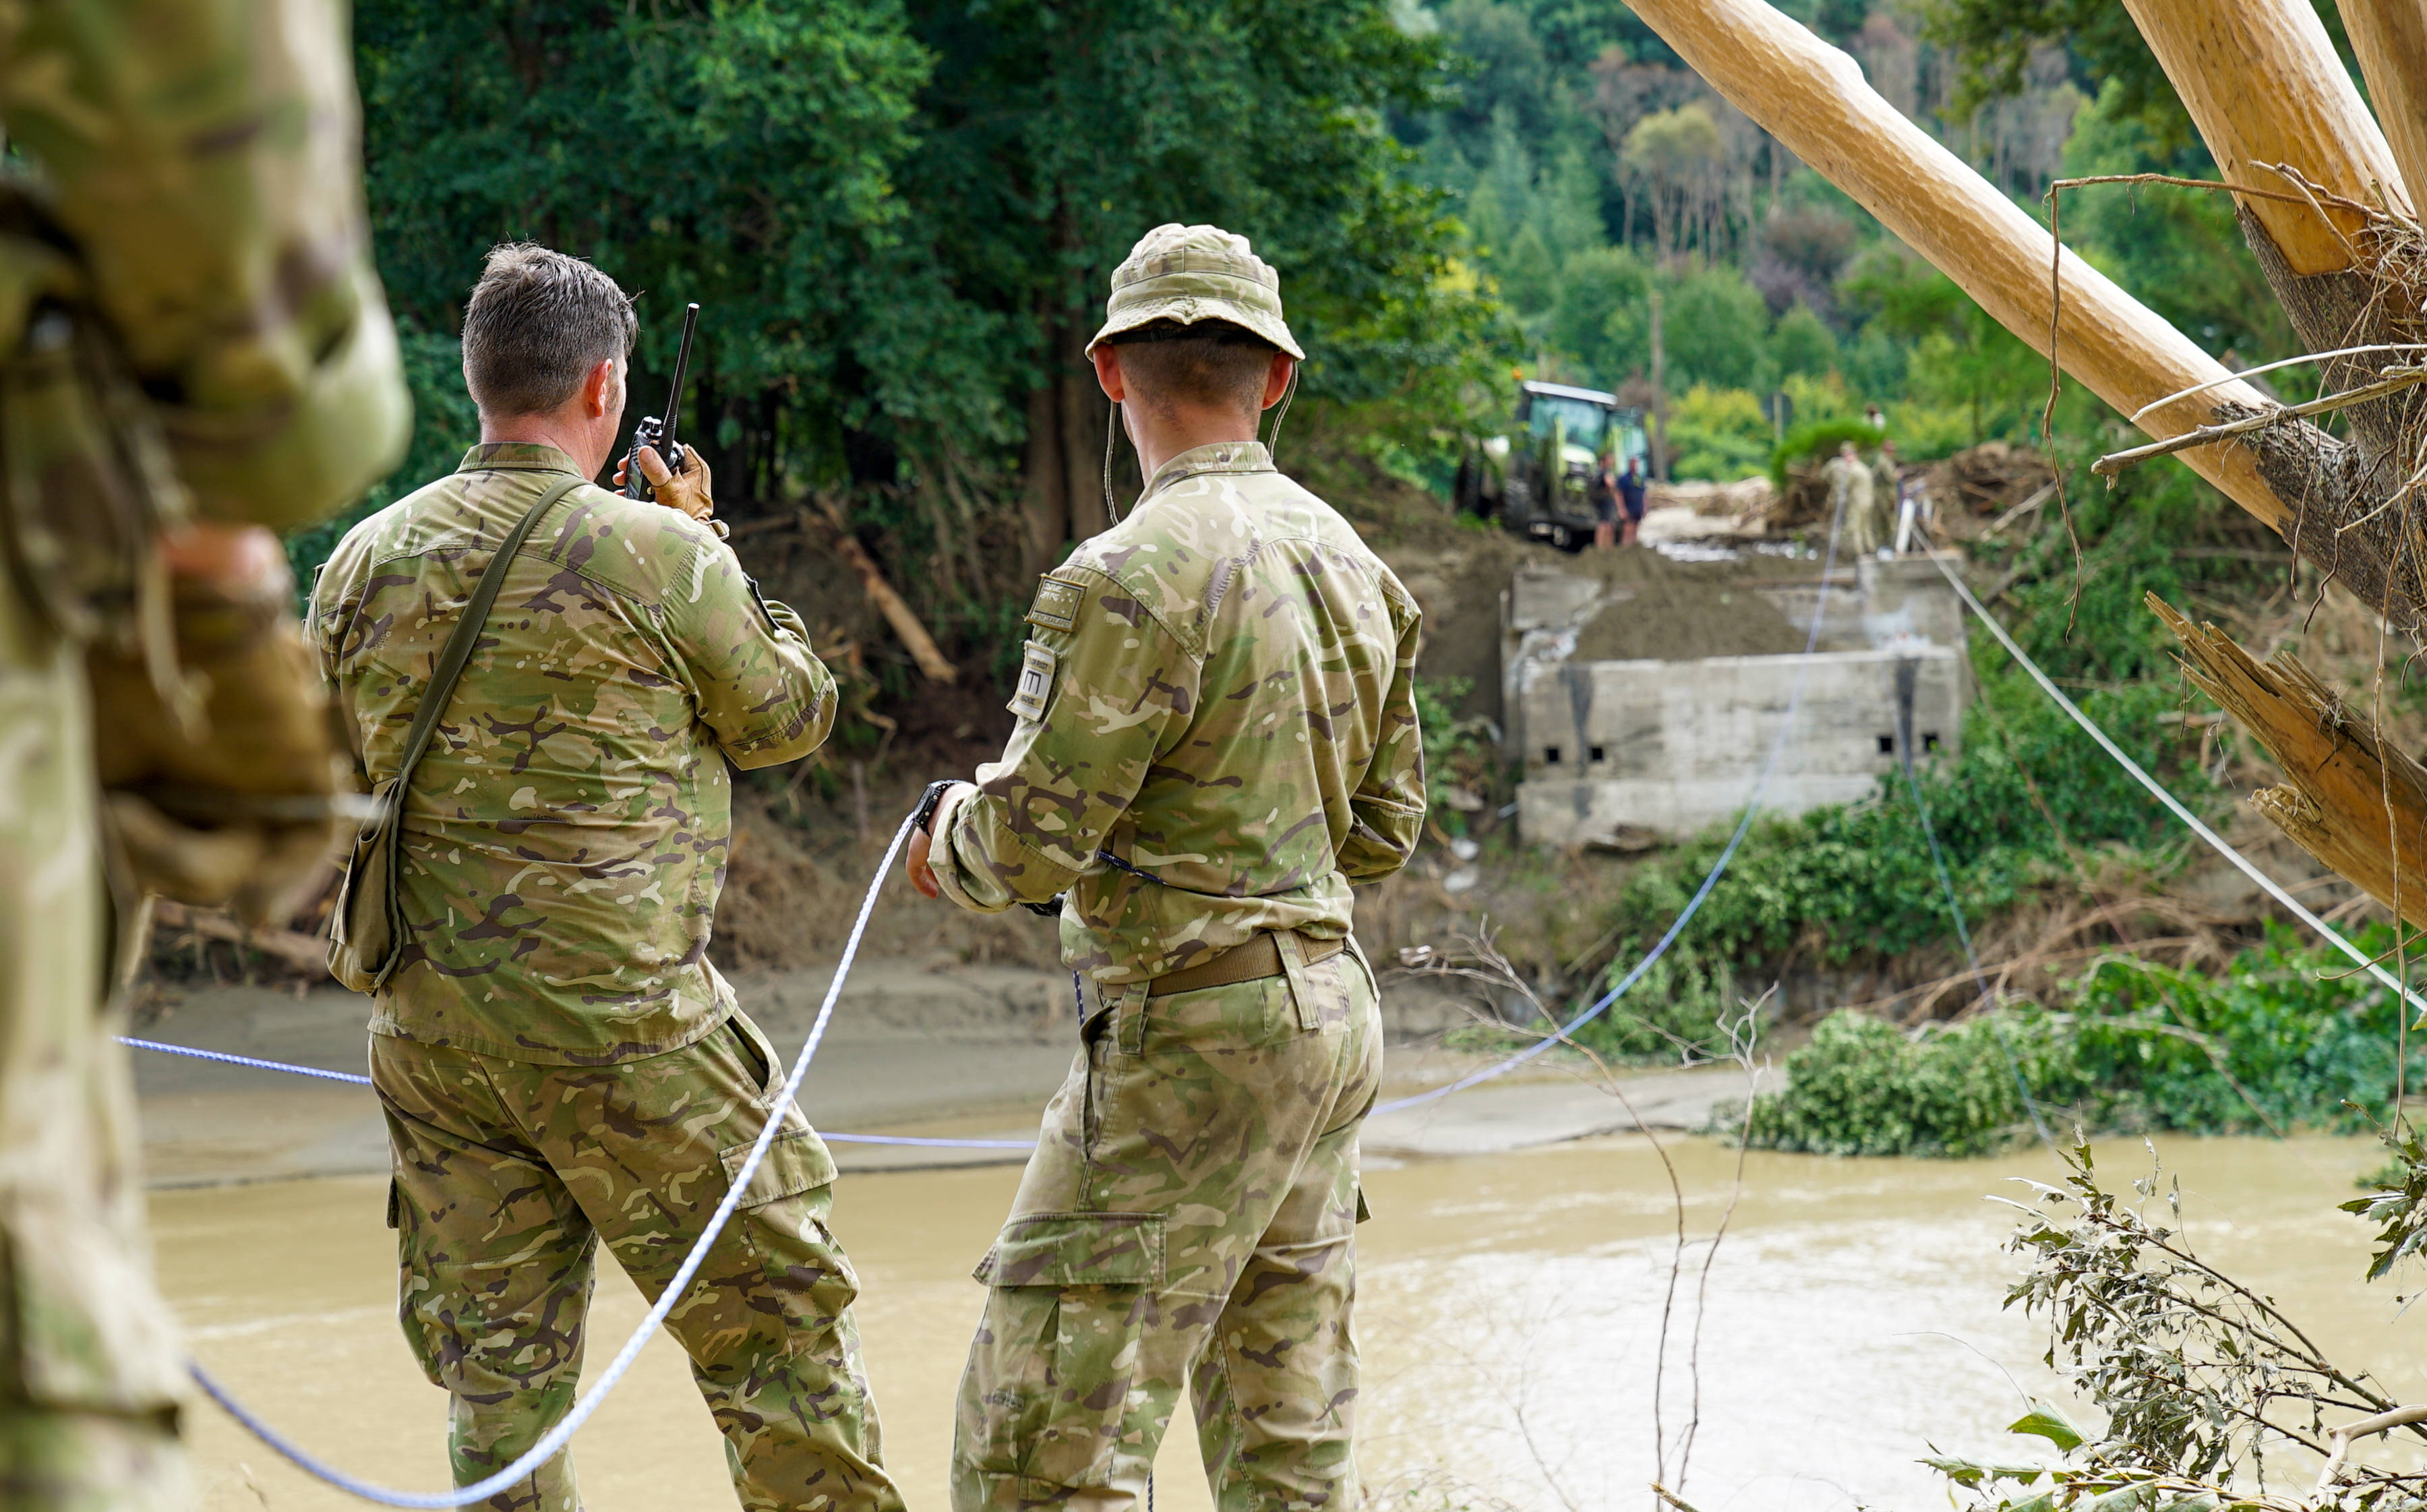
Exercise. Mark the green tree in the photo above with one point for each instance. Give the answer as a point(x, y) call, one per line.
point(1959, 356)
point(1674, 154)
point(1052, 134)
point(1802, 343)
point(900, 217)
point(1595, 288)
point(1993, 40)
point(748, 165)
point(1716, 331)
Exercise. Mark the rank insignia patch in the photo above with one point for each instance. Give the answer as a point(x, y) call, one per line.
point(1057, 605)
point(1036, 664)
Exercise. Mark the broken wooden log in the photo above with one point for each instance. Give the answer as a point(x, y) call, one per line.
point(897, 612)
point(2351, 800)
point(305, 952)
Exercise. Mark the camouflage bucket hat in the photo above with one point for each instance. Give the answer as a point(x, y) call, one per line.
point(1192, 273)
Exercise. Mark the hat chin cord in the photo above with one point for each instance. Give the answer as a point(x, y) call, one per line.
point(1272, 442)
point(1113, 431)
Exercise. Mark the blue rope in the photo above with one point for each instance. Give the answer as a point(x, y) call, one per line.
point(1694, 904)
point(244, 1060)
point(1963, 932)
point(363, 1081)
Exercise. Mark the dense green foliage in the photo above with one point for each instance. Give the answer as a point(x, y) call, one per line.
point(2288, 1038)
point(1995, 41)
point(899, 216)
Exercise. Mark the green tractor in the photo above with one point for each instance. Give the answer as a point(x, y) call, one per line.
point(1538, 481)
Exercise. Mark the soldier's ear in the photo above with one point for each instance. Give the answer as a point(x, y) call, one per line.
point(1107, 359)
point(600, 393)
point(1277, 377)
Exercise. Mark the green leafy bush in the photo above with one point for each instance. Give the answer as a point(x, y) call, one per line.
point(1717, 434)
point(2286, 1039)
point(1819, 439)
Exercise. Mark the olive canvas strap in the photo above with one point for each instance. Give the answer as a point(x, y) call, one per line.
point(459, 646)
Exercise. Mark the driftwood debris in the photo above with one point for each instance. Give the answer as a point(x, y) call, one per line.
point(2348, 798)
point(306, 954)
point(897, 613)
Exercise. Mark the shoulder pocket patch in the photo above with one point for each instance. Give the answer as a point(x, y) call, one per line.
point(1036, 663)
point(1057, 605)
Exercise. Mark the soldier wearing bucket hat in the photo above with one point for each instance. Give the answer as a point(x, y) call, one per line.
point(1217, 736)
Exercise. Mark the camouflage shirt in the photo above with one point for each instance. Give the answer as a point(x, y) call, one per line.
point(567, 833)
point(1219, 693)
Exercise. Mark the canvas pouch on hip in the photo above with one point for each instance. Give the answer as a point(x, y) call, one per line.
point(368, 929)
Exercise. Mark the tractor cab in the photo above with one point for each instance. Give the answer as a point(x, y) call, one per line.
point(1537, 478)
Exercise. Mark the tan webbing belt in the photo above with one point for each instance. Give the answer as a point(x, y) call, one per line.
point(1252, 962)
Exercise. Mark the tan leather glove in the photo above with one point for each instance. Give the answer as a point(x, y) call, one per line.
point(233, 791)
point(686, 489)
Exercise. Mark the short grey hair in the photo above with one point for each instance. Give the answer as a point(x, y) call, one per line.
point(538, 321)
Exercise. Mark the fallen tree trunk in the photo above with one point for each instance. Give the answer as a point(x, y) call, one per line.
point(896, 610)
point(305, 952)
point(2357, 804)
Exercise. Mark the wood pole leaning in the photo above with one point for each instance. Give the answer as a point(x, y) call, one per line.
point(1812, 97)
point(2263, 84)
point(2390, 39)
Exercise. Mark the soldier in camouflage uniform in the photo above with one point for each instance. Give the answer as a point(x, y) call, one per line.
point(192, 348)
point(1217, 736)
point(559, 1063)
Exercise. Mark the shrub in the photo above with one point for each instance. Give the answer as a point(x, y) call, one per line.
point(2283, 1040)
point(1819, 439)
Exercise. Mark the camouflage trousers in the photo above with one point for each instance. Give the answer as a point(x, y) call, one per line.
point(1189, 1217)
point(508, 1175)
point(90, 1375)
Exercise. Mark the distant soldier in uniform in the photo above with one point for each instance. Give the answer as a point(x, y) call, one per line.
point(1851, 492)
point(193, 348)
point(1217, 736)
point(559, 1062)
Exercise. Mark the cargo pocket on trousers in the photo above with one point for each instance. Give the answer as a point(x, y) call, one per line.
point(1050, 1374)
point(803, 1282)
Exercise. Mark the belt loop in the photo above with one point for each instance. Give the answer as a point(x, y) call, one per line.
point(1293, 948)
point(1131, 1026)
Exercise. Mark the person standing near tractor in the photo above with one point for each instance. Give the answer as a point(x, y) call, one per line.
point(1632, 487)
point(1603, 495)
point(196, 352)
point(1217, 734)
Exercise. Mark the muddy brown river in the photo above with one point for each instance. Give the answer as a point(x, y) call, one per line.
point(1509, 1315)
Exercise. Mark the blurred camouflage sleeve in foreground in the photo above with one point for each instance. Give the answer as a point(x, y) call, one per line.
point(1114, 689)
point(206, 157)
point(1387, 809)
point(756, 683)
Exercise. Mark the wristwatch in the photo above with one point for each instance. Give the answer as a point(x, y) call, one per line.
point(923, 817)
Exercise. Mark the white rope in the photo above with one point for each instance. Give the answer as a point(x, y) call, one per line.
point(2269, 368)
point(2218, 842)
point(556, 1438)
